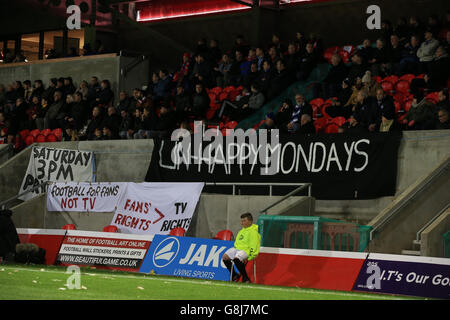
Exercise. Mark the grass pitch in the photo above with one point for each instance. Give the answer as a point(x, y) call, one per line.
point(21, 282)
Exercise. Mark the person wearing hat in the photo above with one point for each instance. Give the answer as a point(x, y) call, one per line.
point(269, 122)
point(370, 85)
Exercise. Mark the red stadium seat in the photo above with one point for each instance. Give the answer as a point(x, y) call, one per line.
point(40, 138)
point(323, 109)
point(399, 97)
point(222, 96)
point(179, 232)
point(387, 86)
point(228, 89)
point(216, 90)
point(51, 138)
point(45, 132)
point(377, 79)
point(256, 126)
point(29, 140)
point(69, 227)
point(433, 97)
point(212, 98)
point(24, 133)
point(408, 77)
point(392, 79)
point(233, 94)
point(231, 125)
point(110, 229)
point(402, 86)
point(317, 102)
point(224, 235)
point(35, 133)
point(58, 133)
point(320, 123)
point(407, 106)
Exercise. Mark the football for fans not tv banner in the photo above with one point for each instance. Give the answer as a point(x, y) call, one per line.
point(50, 164)
point(339, 166)
point(84, 196)
point(156, 208)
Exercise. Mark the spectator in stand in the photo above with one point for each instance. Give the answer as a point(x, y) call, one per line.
point(214, 52)
point(260, 57)
point(255, 101)
point(200, 102)
point(83, 89)
point(41, 114)
point(52, 114)
point(332, 84)
point(202, 71)
point(49, 92)
point(19, 118)
point(60, 86)
point(439, 70)
point(182, 75)
point(19, 91)
point(367, 51)
point(409, 62)
point(292, 58)
point(317, 44)
point(306, 125)
point(280, 81)
point(77, 113)
point(137, 100)
point(421, 115)
point(253, 75)
point(234, 73)
point(446, 43)
point(28, 90)
point(382, 104)
point(182, 103)
point(165, 124)
point(265, 77)
point(240, 44)
point(231, 109)
point(105, 95)
point(222, 71)
point(338, 106)
point(426, 51)
point(126, 125)
point(401, 30)
point(2, 97)
point(124, 101)
point(357, 68)
point(162, 89)
point(109, 134)
point(94, 124)
point(147, 123)
point(308, 61)
point(433, 24)
point(246, 64)
point(301, 107)
point(380, 63)
point(278, 44)
point(362, 110)
point(388, 122)
point(353, 126)
point(443, 101)
point(396, 52)
point(94, 89)
point(443, 119)
point(273, 55)
point(300, 42)
point(69, 87)
point(32, 112)
point(370, 85)
point(269, 122)
point(112, 120)
point(415, 27)
point(38, 89)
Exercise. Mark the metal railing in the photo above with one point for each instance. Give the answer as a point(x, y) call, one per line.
point(403, 202)
point(419, 233)
point(262, 184)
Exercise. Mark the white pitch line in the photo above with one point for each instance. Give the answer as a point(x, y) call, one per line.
point(225, 284)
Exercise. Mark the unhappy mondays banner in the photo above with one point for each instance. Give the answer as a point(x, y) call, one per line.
point(339, 166)
point(50, 164)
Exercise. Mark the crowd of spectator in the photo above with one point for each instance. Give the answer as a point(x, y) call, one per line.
point(171, 99)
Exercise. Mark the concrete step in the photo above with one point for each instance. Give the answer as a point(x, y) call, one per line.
point(411, 252)
point(417, 242)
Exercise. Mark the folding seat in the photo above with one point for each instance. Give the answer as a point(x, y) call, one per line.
point(407, 105)
point(229, 89)
point(231, 125)
point(402, 86)
point(388, 87)
point(58, 133)
point(40, 138)
point(233, 94)
point(256, 126)
point(432, 97)
point(110, 229)
point(377, 79)
point(320, 123)
point(29, 140)
point(24, 133)
point(216, 90)
point(222, 96)
point(224, 235)
point(51, 138)
point(35, 133)
point(317, 102)
point(45, 132)
point(392, 79)
point(179, 232)
point(408, 77)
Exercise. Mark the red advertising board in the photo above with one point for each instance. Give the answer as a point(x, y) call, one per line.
point(330, 270)
point(48, 239)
